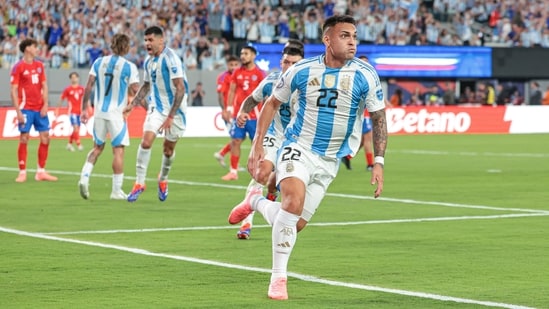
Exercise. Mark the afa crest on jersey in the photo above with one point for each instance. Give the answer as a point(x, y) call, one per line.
point(329, 80)
point(174, 70)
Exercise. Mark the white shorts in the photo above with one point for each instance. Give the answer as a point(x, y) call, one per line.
point(116, 129)
point(154, 121)
point(271, 144)
point(316, 172)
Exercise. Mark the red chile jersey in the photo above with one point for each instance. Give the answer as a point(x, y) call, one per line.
point(73, 95)
point(246, 81)
point(29, 78)
point(223, 86)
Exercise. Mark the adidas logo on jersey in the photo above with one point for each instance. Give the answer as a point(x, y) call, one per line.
point(314, 82)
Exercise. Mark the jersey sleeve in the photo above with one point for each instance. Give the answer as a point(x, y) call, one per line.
point(65, 94)
point(175, 66)
point(374, 97)
point(42, 74)
point(134, 74)
point(94, 70)
point(14, 78)
point(283, 88)
point(146, 73)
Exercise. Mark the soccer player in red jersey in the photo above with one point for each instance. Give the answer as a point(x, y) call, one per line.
point(243, 82)
point(29, 95)
point(223, 86)
point(73, 95)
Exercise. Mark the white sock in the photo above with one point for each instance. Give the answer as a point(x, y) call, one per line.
point(143, 158)
point(253, 184)
point(283, 241)
point(117, 180)
point(249, 220)
point(40, 170)
point(86, 173)
point(166, 166)
point(268, 209)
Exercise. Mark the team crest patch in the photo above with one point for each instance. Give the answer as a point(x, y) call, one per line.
point(39, 70)
point(254, 77)
point(345, 82)
point(174, 70)
point(379, 94)
point(329, 81)
point(289, 167)
point(280, 83)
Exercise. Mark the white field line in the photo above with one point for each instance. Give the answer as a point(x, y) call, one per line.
point(227, 227)
point(351, 196)
point(264, 270)
point(471, 154)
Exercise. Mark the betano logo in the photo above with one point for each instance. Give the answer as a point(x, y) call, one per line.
point(423, 121)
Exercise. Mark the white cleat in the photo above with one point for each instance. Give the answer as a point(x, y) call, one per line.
point(69, 147)
point(118, 195)
point(220, 159)
point(84, 190)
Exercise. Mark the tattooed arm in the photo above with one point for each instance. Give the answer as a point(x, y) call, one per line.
point(178, 97)
point(379, 132)
point(139, 98)
point(379, 124)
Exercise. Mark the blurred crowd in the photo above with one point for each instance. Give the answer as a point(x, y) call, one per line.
point(73, 33)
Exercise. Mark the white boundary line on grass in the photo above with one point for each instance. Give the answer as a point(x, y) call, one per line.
point(226, 227)
point(352, 196)
point(264, 270)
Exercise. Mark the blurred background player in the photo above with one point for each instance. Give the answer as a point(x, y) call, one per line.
point(29, 95)
point(165, 78)
point(116, 78)
point(73, 95)
point(367, 138)
point(223, 86)
point(243, 81)
point(265, 175)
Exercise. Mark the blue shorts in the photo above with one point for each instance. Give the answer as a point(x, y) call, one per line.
point(240, 133)
point(75, 119)
point(33, 119)
point(366, 125)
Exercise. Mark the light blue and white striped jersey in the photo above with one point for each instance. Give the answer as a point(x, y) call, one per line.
point(159, 72)
point(330, 104)
point(113, 76)
point(283, 117)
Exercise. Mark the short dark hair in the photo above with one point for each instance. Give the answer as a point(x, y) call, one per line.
point(232, 58)
point(154, 30)
point(293, 51)
point(74, 73)
point(26, 43)
point(337, 19)
point(250, 48)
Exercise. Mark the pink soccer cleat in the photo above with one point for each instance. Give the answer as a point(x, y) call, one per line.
point(44, 176)
point(242, 210)
point(230, 176)
point(278, 290)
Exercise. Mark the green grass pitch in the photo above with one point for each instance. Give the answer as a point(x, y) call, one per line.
point(462, 223)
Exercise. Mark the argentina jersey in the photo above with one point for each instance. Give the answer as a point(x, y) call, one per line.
point(282, 118)
point(159, 72)
point(113, 75)
point(330, 104)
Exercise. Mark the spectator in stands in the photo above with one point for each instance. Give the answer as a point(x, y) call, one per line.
point(545, 100)
point(189, 60)
point(396, 98)
point(197, 95)
point(449, 95)
point(312, 27)
point(432, 96)
point(94, 51)
point(535, 97)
